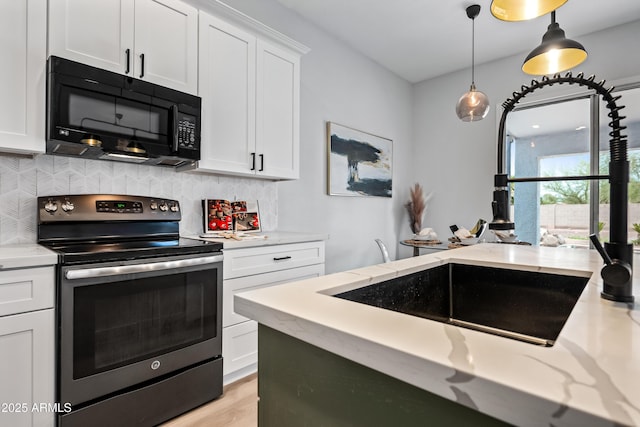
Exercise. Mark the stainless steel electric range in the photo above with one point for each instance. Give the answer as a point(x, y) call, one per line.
point(138, 309)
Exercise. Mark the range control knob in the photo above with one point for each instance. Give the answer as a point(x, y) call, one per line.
point(67, 206)
point(164, 207)
point(174, 207)
point(50, 206)
point(153, 206)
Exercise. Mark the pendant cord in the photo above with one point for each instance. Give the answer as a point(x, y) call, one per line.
point(473, 45)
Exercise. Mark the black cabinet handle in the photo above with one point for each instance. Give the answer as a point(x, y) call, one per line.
point(261, 163)
point(141, 65)
point(253, 161)
point(128, 52)
point(282, 258)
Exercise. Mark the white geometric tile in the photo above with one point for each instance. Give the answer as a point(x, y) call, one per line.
point(77, 165)
point(28, 181)
point(10, 203)
point(10, 163)
point(23, 180)
point(8, 230)
point(8, 178)
point(77, 182)
point(92, 184)
point(44, 163)
point(44, 182)
point(61, 181)
point(60, 164)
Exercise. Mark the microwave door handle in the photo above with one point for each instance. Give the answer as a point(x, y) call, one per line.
point(174, 119)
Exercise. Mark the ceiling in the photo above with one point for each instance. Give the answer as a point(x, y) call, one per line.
point(407, 36)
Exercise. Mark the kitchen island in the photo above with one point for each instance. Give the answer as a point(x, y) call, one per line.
point(422, 371)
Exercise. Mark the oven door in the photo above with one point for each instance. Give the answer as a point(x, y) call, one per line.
point(124, 323)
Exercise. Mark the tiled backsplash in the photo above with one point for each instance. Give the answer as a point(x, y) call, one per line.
point(22, 180)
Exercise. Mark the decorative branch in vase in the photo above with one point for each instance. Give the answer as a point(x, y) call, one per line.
point(415, 207)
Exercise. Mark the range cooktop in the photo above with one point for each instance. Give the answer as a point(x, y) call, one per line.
point(86, 252)
point(90, 228)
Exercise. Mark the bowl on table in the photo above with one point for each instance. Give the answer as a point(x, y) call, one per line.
point(469, 241)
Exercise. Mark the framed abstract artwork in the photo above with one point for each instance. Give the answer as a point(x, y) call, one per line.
point(359, 163)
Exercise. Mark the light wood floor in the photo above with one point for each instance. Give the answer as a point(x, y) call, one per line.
point(238, 407)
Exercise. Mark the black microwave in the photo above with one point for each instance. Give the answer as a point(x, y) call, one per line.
point(97, 114)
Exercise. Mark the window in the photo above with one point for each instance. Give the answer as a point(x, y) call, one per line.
point(555, 138)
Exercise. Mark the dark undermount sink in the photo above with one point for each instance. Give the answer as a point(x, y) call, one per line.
point(523, 305)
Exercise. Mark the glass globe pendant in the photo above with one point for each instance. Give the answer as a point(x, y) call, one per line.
point(473, 105)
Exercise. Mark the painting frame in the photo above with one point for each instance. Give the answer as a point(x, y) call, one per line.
point(359, 163)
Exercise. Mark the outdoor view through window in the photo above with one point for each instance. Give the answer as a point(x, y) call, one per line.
point(556, 138)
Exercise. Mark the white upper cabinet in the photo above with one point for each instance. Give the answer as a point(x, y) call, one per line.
point(227, 88)
point(154, 40)
point(277, 113)
point(251, 102)
point(23, 75)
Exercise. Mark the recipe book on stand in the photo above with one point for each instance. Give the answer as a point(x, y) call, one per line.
point(238, 219)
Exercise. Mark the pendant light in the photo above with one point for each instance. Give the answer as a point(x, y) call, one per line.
point(555, 54)
point(523, 10)
point(473, 105)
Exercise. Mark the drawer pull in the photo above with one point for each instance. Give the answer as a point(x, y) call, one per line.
point(282, 258)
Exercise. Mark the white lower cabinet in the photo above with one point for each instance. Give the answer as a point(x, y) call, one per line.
point(254, 268)
point(27, 348)
point(27, 369)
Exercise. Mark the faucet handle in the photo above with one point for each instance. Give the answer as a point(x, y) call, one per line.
point(616, 272)
point(596, 243)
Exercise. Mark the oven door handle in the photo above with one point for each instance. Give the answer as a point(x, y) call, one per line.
point(88, 273)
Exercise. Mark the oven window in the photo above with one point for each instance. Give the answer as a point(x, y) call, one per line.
point(116, 324)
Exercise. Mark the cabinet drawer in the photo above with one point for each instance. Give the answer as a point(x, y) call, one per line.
point(28, 289)
point(241, 284)
point(264, 259)
point(239, 346)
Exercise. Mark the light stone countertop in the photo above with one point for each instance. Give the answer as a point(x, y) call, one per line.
point(26, 255)
point(266, 238)
point(591, 376)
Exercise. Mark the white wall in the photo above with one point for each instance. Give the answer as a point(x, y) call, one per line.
point(456, 160)
point(340, 85)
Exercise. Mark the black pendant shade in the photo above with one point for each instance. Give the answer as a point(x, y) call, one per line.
point(555, 54)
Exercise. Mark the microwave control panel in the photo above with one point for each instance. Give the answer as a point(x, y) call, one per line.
point(187, 132)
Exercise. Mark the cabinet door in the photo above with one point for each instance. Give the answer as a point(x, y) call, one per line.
point(239, 346)
point(22, 75)
point(166, 44)
point(96, 32)
point(27, 369)
point(227, 87)
point(250, 283)
point(277, 113)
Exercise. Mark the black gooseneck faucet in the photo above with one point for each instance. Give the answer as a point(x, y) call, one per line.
point(618, 252)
